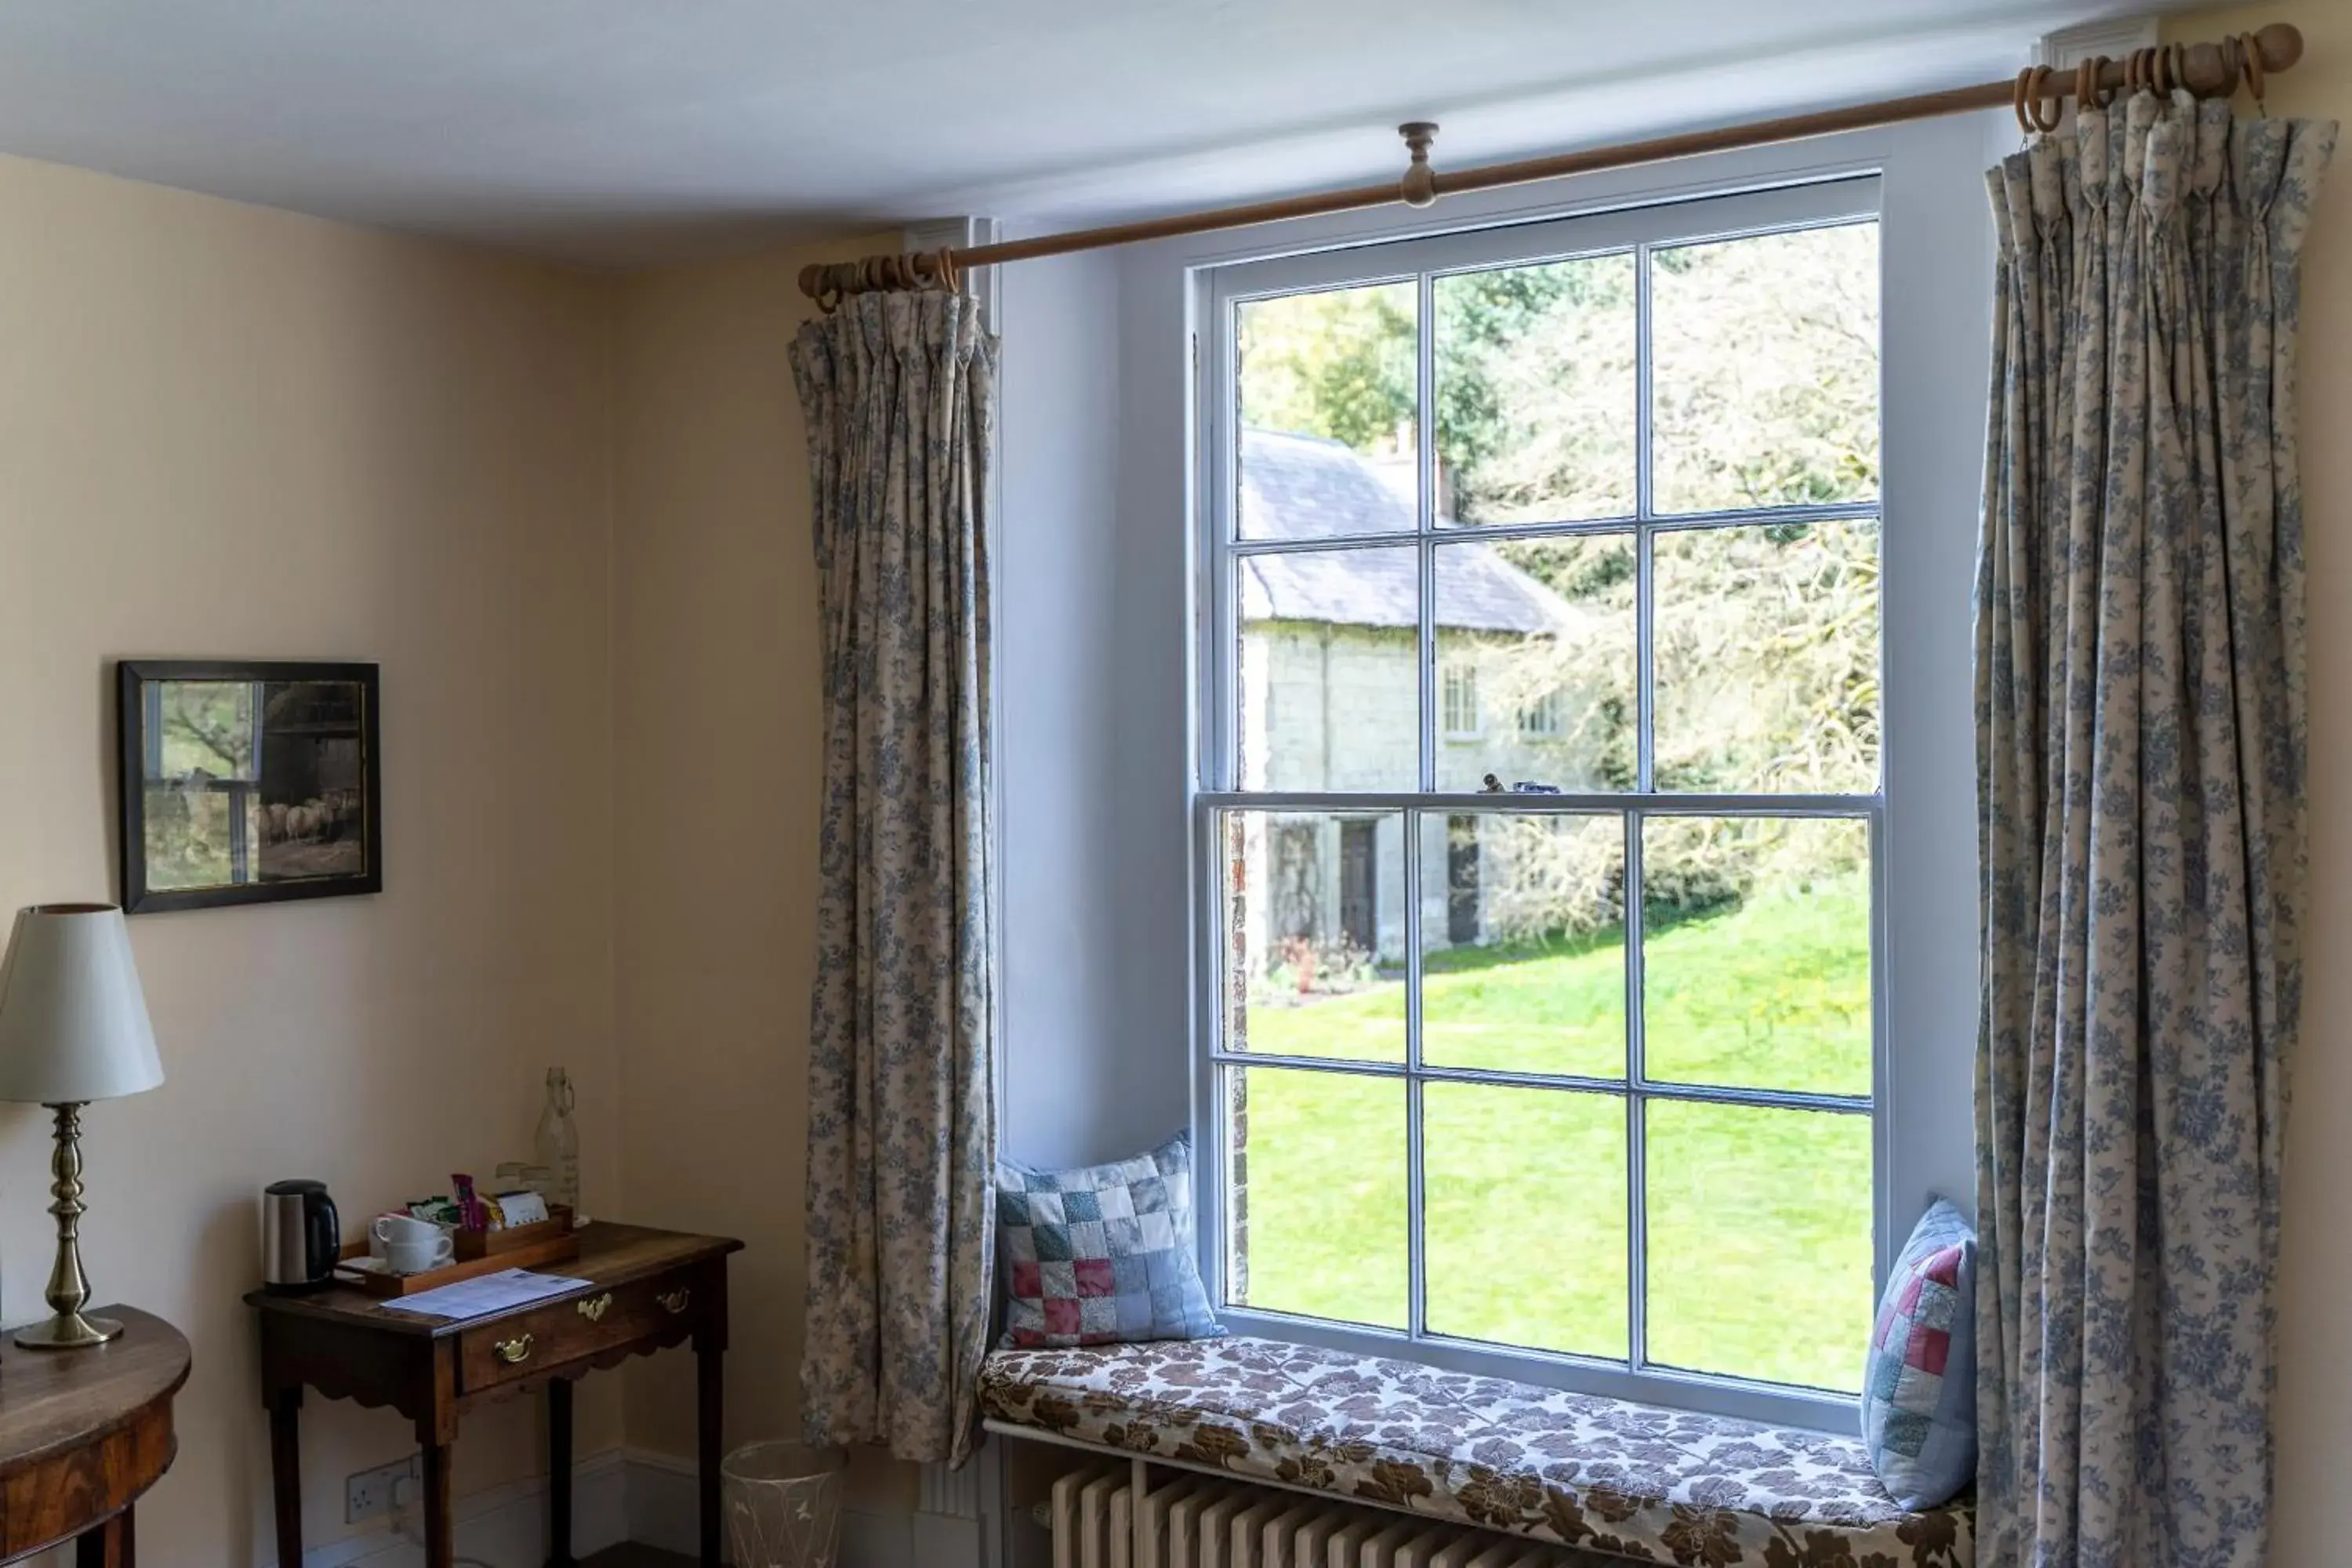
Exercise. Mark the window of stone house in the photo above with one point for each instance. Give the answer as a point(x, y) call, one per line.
point(1461, 700)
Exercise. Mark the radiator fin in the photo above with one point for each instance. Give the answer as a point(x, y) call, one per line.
point(1201, 1521)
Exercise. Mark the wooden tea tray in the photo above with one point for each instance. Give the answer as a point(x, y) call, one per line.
point(552, 1240)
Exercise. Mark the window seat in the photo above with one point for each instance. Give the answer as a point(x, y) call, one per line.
point(1604, 1475)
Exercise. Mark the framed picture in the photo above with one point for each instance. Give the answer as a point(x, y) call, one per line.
point(247, 782)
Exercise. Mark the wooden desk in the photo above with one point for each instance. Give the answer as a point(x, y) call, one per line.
point(82, 1433)
point(645, 1290)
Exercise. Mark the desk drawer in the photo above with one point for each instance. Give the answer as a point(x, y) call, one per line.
point(530, 1342)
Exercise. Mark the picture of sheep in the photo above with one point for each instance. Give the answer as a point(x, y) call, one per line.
point(249, 783)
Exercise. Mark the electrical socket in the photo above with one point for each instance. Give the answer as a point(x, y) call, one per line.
point(369, 1494)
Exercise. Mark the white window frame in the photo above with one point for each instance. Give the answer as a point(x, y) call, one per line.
point(1936, 310)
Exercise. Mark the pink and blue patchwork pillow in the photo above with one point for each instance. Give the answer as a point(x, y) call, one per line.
point(1919, 1380)
point(1102, 1254)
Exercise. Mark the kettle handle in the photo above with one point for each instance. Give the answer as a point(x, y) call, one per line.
point(323, 1239)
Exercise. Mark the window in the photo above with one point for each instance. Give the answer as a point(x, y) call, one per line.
point(1556, 1039)
point(1545, 718)
point(203, 772)
point(1461, 701)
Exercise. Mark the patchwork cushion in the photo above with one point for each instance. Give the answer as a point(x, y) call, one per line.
point(1603, 1476)
point(1919, 1382)
point(1102, 1254)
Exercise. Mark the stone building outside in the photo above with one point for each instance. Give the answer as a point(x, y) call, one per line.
point(1328, 701)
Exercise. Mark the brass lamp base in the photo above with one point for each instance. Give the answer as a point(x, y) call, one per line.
point(69, 1289)
point(66, 1331)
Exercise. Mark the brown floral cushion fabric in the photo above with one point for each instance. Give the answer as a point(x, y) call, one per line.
point(1654, 1485)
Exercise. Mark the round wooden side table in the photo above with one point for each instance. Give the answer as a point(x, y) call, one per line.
point(83, 1433)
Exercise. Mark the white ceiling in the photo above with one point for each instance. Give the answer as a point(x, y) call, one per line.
point(616, 131)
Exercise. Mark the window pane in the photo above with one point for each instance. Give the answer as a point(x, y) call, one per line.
point(1526, 1229)
point(1536, 392)
point(1315, 1213)
point(1330, 669)
point(1329, 440)
point(1523, 969)
point(1541, 631)
point(204, 727)
point(192, 835)
point(1764, 370)
point(1758, 1243)
point(1766, 642)
point(1756, 952)
point(1313, 929)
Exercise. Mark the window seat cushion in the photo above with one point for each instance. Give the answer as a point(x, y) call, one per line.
point(1604, 1475)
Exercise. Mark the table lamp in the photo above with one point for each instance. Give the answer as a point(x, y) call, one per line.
point(73, 1028)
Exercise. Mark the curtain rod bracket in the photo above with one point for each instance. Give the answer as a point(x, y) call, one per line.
point(1419, 186)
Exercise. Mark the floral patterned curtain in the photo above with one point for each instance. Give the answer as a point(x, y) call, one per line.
point(899, 395)
point(2140, 744)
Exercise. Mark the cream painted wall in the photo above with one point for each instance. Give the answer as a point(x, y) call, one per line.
point(716, 770)
point(231, 431)
point(2314, 1405)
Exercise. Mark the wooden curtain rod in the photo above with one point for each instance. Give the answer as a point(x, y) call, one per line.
point(2207, 70)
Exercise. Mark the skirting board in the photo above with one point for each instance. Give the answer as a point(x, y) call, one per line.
point(633, 1494)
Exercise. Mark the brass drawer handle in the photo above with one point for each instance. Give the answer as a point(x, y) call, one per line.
point(513, 1352)
point(673, 1301)
point(594, 1308)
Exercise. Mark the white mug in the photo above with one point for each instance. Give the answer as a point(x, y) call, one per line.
point(406, 1256)
point(410, 1246)
point(392, 1228)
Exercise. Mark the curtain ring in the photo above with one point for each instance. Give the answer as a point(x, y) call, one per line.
point(2250, 64)
point(2089, 91)
point(2037, 95)
point(823, 284)
point(2165, 79)
point(2017, 101)
point(950, 277)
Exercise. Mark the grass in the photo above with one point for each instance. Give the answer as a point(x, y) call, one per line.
point(1758, 1220)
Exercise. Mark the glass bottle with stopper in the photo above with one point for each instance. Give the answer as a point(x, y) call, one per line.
point(558, 1143)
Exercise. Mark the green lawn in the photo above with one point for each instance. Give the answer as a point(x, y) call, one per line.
point(1759, 1245)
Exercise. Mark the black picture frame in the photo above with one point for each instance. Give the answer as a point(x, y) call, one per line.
point(288, 733)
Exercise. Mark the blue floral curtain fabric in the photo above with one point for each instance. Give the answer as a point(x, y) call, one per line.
point(899, 392)
point(2140, 741)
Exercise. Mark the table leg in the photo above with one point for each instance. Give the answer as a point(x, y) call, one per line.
point(440, 1541)
point(107, 1546)
point(558, 1473)
point(286, 1470)
point(707, 1389)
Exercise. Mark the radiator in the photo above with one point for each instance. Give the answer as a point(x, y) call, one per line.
point(1197, 1521)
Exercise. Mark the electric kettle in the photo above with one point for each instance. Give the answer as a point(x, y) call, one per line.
point(300, 1237)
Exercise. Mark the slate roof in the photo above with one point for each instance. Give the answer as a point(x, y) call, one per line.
point(1303, 487)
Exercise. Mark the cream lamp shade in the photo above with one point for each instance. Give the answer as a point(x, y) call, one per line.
point(73, 1020)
